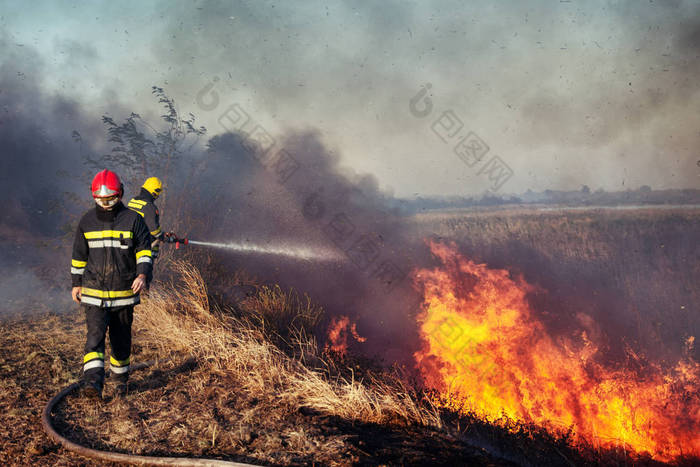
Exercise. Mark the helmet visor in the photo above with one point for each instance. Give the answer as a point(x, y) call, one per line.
point(107, 201)
point(104, 192)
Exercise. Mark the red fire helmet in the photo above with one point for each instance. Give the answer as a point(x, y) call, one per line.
point(106, 184)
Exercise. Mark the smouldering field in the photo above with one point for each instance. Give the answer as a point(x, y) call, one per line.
point(247, 381)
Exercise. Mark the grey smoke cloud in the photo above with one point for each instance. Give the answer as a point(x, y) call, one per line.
point(568, 93)
point(324, 207)
point(234, 197)
point(546, 84)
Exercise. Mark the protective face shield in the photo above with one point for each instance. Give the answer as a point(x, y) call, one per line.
point(107, 202)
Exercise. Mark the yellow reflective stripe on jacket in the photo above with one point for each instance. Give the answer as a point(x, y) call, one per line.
point(78, 264)
point(92, 356)
point(116, 362)
point(108, 234)
point(143, 253)
point(156, 232)
point(137, 204)
point(107, 293)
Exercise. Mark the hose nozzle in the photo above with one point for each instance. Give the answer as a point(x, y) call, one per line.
point(171, 237)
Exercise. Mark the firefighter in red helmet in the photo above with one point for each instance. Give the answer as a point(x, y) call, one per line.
point(111, 260)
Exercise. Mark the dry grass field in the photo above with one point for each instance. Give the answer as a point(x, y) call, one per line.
point(219, 388)
point(246, 380)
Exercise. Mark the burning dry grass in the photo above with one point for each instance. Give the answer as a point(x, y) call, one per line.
point(482, 344)
point(635, 271)
point(222, 388)
point(238, 347)
point(219, 388)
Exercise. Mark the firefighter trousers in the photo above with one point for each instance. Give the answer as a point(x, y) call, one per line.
point(118, 322)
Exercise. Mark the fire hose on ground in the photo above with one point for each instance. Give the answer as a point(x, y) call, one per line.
point(293, 251)
point(116, 456)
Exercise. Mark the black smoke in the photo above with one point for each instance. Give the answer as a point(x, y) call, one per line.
point(298, 193)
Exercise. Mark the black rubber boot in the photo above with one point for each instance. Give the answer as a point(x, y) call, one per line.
point(92, 389)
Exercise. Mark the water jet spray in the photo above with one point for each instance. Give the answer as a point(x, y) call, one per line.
point(290, 251)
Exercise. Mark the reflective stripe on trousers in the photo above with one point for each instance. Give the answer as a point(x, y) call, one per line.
point(93, 360)
point(117, 322)
point(118, 366)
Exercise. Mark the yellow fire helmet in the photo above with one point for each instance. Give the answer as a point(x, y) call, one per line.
point(154, 186)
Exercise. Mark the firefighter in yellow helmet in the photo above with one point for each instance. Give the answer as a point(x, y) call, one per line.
point(144, 204)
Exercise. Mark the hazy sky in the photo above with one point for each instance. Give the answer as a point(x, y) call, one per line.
point(566, 93)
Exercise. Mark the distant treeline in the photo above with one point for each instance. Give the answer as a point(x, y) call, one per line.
point(582, 197)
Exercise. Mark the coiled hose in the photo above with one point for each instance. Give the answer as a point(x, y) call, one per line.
point(115, 456)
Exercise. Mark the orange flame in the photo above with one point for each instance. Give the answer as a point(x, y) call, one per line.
point(339, 331)
point(482, 346)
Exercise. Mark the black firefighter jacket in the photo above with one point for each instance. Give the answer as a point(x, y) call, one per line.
point(144, 204)
point(111, 248)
